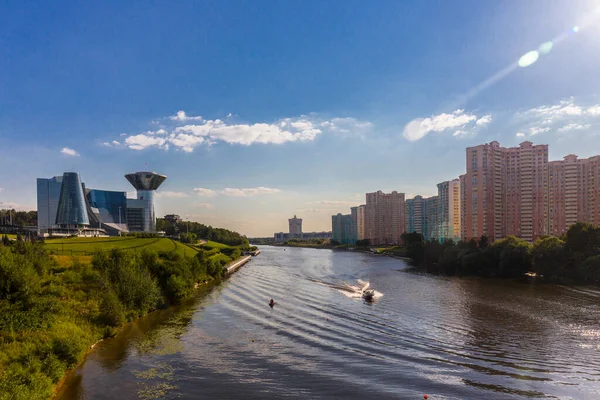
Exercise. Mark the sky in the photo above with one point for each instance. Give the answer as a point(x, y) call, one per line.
point(259, 110)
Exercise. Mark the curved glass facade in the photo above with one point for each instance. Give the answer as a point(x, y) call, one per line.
point(71, 204)
point(112, 206)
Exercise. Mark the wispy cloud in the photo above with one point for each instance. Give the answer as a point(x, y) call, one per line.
point(69, 152)
point(204, 205)
point(464, 123)
point(167, 193)
point(187, 136)
point(205, 192)
point(565, 116)
point(235, 192)
point(573, 127)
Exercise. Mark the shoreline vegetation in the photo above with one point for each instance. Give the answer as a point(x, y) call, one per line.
point(59, 298)
point(573, 258)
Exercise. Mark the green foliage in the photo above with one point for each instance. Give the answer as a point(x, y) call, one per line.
point(50, 313)
point(202, 231)
point(363, 243)
point(574, 259)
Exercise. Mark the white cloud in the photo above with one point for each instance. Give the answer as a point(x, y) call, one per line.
point(106, 144)
point(204, 205)
point(534, 130)
point(418, 128)
point(552, 112)
point(486, 119)
point(573, 127)
point(205, 192)
point(187, 137)
point(166, 193)
point(141, 141)
point(520, 135)
point(594, 110)
point(335, 203)
point(235, 192)
point(248, 192)
point(69, 152)
point(181, 116)
point(1, 189)
point(115, 143)
point(564, 116)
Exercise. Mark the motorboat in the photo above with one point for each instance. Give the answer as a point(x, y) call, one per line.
point(368, 295)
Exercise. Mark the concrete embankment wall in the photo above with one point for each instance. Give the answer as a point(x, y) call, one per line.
point(231, 268)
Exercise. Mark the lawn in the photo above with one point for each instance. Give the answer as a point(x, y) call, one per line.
point(87, 246)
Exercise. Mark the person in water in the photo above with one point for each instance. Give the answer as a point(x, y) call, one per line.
point(271, 303)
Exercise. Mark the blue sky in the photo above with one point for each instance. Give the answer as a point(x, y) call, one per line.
point(260, 110)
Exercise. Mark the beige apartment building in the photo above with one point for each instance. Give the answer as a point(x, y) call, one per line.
point(449, 210)
point(360, 222)
point(384, 217)
point(505, 191)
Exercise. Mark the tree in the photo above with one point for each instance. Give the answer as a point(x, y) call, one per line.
point(363, 243)
point(549, 257)
point(483, 242)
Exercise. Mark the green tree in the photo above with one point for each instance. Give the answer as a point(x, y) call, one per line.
point(550, 257)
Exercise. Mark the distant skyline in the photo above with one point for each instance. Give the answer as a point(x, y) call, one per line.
point(257, 111)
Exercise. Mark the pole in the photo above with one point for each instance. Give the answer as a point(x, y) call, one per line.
point(119, 220)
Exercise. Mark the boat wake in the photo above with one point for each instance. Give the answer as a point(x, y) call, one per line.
point(357, 291)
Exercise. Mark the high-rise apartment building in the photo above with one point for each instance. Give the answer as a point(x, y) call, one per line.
point(360, 223)
point(295, 225)
point(384, 218)
point(413, 214)
point(431, 227)
point(343, 229)
point(354, 217)
point(573, 193)
point(505, 191)
point(448, 214)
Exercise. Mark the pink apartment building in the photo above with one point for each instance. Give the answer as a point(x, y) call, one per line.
point(384, 218)
point(504, 191)
point(573, 193)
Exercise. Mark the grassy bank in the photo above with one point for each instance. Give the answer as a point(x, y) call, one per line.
point(54, 307)
point(88, 246)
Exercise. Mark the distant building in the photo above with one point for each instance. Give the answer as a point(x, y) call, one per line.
point(342, 228)
point(448, 214)
point(360, 223)
point(140, 211)
point(172, 218)
point(354, 218)
point(573, 193)
point(282, 236)
point(505, 191)
point(384, 218)
point(48, 194)
point(431, 229)
point(295, 225)
point(108, 210)
point(66, 207)
point(414, 214)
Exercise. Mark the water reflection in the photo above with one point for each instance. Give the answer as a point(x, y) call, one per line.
point(450, 338)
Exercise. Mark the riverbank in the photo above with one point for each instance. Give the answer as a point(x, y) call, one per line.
point(52, 314)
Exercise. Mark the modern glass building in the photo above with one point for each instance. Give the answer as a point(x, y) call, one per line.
point(48, 194)
point(72, 210)
point(108, 209)
point(146, 184)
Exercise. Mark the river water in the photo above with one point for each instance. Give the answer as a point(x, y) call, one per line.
point(448, 338)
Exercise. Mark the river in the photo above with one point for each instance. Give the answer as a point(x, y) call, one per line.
point(448, 338)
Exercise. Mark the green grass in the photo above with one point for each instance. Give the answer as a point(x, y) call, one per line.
point(220, 256)
point(86, 246)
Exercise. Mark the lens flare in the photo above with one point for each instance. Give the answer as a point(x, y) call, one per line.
point(546, 48)
point(528, 58)
point(576, 29)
